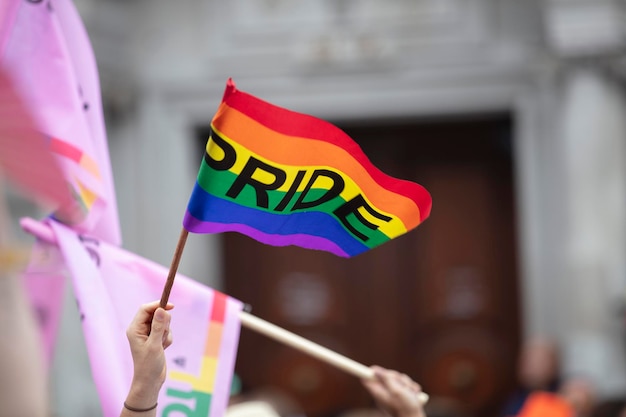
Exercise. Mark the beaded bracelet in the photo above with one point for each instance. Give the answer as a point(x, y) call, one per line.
point(139, 410)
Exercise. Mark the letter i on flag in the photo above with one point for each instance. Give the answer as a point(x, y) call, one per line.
point(286, 178)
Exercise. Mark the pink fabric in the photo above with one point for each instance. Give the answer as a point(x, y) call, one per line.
point(24, 156)
point(8, 10)
point(44, 280)
point(110, 284)
point(47, 55)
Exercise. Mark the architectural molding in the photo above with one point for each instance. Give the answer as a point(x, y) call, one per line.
point(584, 28)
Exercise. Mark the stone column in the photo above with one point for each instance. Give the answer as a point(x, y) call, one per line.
point(586, 36)
point(594, 138)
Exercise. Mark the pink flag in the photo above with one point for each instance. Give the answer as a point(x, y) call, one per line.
point(24, 156)
point(205, 324)
point(47, 54)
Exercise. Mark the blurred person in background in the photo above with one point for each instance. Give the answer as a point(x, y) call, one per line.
point(579, 393)
point(263, 399)
point(23, 379)
point(538, 370)
point(575, 398)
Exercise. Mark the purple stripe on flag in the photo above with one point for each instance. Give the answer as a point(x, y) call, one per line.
point(303, 240)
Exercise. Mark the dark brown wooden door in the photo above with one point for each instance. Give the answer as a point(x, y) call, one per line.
point(439, 303)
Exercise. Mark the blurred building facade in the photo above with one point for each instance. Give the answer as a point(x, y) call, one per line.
point(555, 67)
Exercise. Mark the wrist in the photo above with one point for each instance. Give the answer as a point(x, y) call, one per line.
point(417, 412)
point(143, 394)
point(392, 412)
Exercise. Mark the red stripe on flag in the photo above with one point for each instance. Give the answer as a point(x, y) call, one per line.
point(65, 149)
point(218, 310)
point(299, 125)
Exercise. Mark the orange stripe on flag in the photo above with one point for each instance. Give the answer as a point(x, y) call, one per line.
point(214, 339)
point(90, 165)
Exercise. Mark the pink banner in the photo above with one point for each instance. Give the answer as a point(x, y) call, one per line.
point(110, 284)
point(24, 156)
point(48, 56)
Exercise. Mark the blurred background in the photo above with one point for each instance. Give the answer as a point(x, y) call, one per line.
point(511, 113)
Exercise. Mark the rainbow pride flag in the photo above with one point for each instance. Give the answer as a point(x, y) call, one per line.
point(286, 178)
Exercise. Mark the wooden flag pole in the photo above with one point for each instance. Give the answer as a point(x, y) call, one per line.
point(304, 345)
point(178, 253)
point(43, 232)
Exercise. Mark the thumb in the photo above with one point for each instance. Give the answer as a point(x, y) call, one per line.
point(160, 324)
